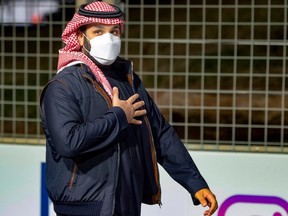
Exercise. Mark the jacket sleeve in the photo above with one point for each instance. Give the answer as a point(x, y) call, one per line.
point(172, 155)
point(65, 128)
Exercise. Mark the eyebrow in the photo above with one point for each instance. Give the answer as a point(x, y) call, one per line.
point(101, 26)
point(116, 27)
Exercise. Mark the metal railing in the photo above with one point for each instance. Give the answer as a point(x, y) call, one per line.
point(217, 70)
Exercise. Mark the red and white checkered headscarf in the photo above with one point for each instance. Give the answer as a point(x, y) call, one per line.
point(72, 50)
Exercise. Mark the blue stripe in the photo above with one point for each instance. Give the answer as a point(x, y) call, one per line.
point(44, 195)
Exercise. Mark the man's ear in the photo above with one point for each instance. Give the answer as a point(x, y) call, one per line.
point(80, 38)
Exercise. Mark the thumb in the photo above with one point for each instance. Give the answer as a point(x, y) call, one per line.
point(202, 200)
point(115, 93)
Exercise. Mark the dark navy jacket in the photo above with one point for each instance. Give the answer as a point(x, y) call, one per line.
point(88, 141)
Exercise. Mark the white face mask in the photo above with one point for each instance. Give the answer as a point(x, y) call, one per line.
point(105, 48)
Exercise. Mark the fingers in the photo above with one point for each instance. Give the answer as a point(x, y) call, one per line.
point(135, 122)
point(138, 112)
point(138, 105)
point(115, 97)
point(115, 92)
point(133, 98)
point(212, 203)
point(200, 195)
point(131, 106)
point(207, 198)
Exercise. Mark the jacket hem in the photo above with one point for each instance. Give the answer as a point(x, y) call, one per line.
point(78, 208)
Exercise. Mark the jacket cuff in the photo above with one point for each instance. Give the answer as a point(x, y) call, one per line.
point(121, 117)
point(198, 186)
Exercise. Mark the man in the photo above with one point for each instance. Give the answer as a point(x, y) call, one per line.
point(104, 133)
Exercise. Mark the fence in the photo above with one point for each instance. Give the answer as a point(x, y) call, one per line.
point(217, 69)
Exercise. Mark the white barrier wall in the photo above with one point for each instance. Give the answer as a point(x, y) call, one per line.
point(246, 184)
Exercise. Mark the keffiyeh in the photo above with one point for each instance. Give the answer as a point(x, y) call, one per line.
point(104, 14)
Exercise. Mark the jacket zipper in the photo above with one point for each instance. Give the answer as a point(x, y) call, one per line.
point(106, 97)
point(117, 175)
point(156, 198)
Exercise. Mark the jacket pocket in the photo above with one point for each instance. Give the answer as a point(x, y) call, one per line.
point(73, 175)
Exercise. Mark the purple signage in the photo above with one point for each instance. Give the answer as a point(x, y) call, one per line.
point(253, 199)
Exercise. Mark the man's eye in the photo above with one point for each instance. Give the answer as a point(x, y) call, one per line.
point(115, 32)
point(98, 32)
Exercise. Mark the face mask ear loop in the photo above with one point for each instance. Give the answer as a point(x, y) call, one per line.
point(84, 42)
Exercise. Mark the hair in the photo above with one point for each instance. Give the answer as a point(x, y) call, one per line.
point(83, 28)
